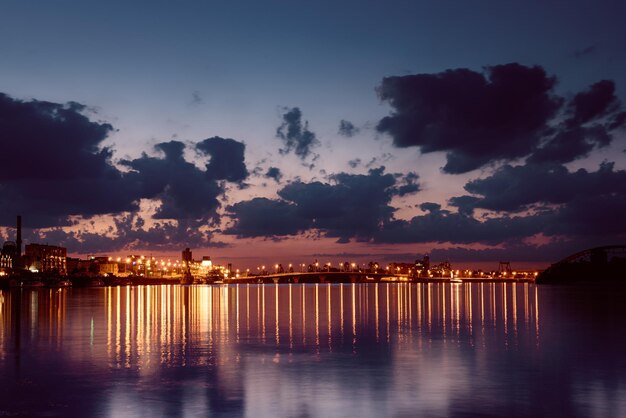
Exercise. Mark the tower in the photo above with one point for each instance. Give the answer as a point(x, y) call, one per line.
point(18, 243)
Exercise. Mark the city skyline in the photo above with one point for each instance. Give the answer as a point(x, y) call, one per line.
point(279, 131)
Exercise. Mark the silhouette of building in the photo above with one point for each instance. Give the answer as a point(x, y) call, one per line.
point(46, 258)
point(422, 266)
point(11, 255)
point(187, 259)
point(8, 254)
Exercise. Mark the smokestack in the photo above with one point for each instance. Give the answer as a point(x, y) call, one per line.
point(18, 243)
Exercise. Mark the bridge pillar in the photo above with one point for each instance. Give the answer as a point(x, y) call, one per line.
point(322, 279)
point(275, 280)
point(296, 280)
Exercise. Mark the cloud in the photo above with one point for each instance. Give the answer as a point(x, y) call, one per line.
point(357, 207)
point(295, 134)
point(53, 165)
point(376, 161)
point(514, 252)
point(196, 98)
point(571, 144)
point(588, 50)
point(443, 226)
point(579, 206)
point(567, 209)
point(185, 191)
point(129, 233)
point(262, 217)
point(347, 128)
point(55, 171)
point(351, 206)
point(354, 163)
point(591, 117)
point(227, 159)
point(409, 186)
point(274, 173)
point(474, 117)
point(596, 102)
point(517, 188)
point(508, 112)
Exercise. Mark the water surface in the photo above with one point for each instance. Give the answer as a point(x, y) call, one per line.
point(340, 350)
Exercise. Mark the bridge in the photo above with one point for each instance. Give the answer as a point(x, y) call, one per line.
point(360, 277)
point(607, 263)
point(597, 254)
point(318, 277)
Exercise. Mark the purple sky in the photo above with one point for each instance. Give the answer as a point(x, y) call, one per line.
point(262, 132)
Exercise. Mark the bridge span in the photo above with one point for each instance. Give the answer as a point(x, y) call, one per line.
point(599, 264)
point(318, 277)
point(354, 277)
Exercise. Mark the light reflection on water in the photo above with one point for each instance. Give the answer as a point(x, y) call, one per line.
point(313, 350)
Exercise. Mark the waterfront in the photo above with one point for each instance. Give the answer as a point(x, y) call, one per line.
point(368, 350)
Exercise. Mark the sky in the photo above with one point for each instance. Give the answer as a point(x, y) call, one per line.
point(288, 131)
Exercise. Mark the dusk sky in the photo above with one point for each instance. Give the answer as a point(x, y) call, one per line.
point(287, 131)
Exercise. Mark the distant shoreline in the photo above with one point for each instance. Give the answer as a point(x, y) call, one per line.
point(18, 282)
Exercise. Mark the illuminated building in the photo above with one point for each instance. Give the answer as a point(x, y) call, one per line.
point(8, 254)
point(46, 258)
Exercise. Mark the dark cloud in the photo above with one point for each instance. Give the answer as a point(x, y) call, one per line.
point(50, 140)
point(588, 50)
point(129, 233)
point(261, 217)
point(579, 207)
point(465, 204)
point(508, 112)
point(296, 134)
point(351, 206)
point(596, 102)
point(571, 209)
point(376, 161)
point(347, 128)
point(444, 226)
point(409, 185)
point(570, 144)
point(514, 252)
point(618, 121)
point(518, 188)
point(591, 115)
point(597, 219)
point(184, 190)
point(354, 163)
point(274, 173)
point(53, 166)
point(227, 159)
point(196, 98)
point(475, 118)
point(357, 207)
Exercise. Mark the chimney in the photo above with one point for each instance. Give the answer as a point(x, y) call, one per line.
point(18, 243)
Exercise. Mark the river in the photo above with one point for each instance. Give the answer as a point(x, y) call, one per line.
point(314, 350)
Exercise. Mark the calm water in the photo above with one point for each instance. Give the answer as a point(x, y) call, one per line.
point(323, 350)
